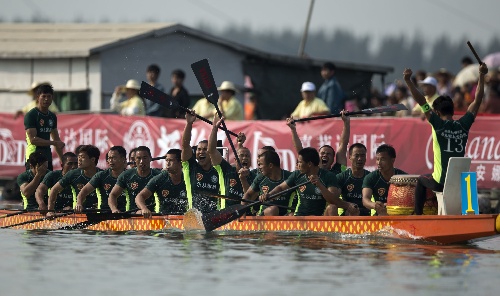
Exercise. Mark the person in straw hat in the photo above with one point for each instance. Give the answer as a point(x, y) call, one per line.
point(32, 104)
point(230, 107)
point(133, 105)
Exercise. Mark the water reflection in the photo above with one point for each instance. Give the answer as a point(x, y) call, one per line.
point(285, 263)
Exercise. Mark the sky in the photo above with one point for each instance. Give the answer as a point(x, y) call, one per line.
point(475, 20)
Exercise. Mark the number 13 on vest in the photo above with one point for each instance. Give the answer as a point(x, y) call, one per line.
point(469, 193)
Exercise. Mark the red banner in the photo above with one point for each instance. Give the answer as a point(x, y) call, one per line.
point(410, 136)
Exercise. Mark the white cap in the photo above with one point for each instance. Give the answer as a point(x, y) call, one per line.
point(308, 86)
point(429, 80)
point(133, 84)
point(227, 85)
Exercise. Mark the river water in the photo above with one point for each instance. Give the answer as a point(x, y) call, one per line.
point(234, 263)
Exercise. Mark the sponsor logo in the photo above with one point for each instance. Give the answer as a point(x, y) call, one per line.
point(134, 185)
point(265, 189)
point(182, 193)
point(214, 179)
point(317, 190)
point(232, 182)
point(80, 186)
point(199, 176)
point(42, 122)
point(381, 191)
point(139, 135)
point(350, 187)
point(302, 188)
point(165, 193)
point(107, 187)
point(51, 123)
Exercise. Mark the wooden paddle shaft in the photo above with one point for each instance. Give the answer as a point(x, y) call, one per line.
point(474, 52)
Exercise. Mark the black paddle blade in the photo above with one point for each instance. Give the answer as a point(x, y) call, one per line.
point(216, 219)
point(206, 80)
point(155, 95)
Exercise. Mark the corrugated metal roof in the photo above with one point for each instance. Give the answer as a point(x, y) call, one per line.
point(56, 40)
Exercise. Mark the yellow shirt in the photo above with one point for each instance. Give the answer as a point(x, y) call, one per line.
point(306, 109)
point(204, 108)
point(430, 100)
point(232, 109)
point(132, 106)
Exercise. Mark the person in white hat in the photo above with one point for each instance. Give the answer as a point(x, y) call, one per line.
point(429, 88)
point(310, 104)
point(133, 105)
point(32, 104)
point(230, 107)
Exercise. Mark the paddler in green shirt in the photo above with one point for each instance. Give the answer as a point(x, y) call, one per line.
point(199, 174)
point(323, 188)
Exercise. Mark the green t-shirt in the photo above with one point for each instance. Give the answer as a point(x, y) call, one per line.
point(231, 184)
point(197, 179)
point(132, 183)
point(379, 186)
point(262, 184)
point(449, 138)
point(352, 189)
point(310, 200)
point(338, 168)
point(29, 202)
point(76, 180)
point(65, 197)
point(170, 198)
point(103, 182)
point(44, 123)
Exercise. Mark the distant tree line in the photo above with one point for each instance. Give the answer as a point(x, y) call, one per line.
point(341, 45)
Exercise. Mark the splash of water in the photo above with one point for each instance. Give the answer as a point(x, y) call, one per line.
point(192, 220)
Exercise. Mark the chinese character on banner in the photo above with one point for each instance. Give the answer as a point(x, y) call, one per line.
point(86, 136)
point(306, 140)
point(480, 170)
point(324, 140)
point(69, 136)
point(101, 140)
point(495, 173)
point(375, 141)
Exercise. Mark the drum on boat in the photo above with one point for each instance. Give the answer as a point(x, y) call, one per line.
point(401, 196)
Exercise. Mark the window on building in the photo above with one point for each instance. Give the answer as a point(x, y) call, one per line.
point(72, 100)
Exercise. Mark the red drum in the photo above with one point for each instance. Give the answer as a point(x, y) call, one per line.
point(401, 196)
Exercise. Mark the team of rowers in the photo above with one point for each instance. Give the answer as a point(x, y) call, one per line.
point(201, 178)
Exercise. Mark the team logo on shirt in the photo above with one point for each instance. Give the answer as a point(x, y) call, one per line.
point(317, 190)
point(42, 122)
point(165, 193)
point(214, 179)
point(381, 191)
point(302, 188)
point(350, 187)
point(232, 182)
point(199, 176)
point(107, 187)
point(134, 185)
point(51, 123)
point(80, 186)
point(182, 193)
point(265, 189)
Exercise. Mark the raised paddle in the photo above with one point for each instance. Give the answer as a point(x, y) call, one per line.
point(39, 220)
point(474, 52)
point(216, 219)
point(206, 80)
point(382, 109)
point(155, 95)
point(241, 199)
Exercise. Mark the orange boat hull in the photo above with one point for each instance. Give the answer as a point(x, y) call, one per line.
point(441, 229)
